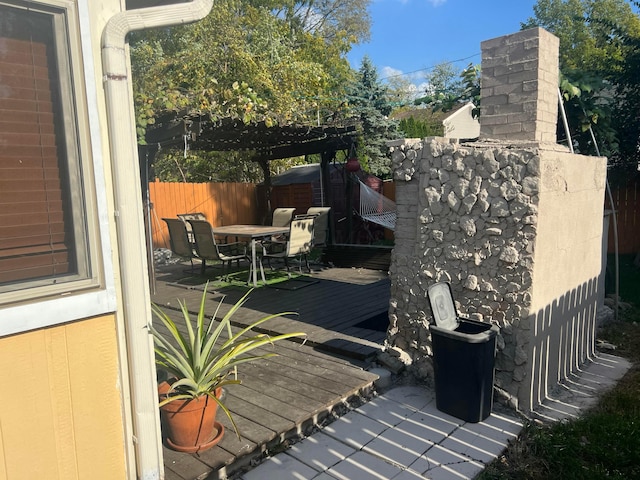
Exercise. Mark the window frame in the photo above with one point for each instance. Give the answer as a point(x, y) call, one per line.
point(93, 292)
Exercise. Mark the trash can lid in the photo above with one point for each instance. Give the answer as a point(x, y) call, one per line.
point(442, 307)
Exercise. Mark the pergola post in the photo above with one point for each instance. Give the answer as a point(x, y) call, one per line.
point(264, 164)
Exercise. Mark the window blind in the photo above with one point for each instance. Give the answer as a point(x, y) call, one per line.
point(36, 233)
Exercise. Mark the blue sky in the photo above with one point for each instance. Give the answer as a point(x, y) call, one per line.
point(411, 36)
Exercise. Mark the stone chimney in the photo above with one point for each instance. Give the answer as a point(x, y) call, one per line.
point(513, 222)
point(519, 87)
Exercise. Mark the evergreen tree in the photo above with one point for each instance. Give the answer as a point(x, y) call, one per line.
point(369, 100)
point(412, 128)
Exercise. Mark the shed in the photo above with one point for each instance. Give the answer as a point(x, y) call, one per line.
point(302, 187)
point(458, 122)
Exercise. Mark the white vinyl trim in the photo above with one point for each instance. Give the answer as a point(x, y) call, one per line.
point(55, 304)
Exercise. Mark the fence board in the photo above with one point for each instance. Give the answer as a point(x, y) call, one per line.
point(231, 203)
point(221, 203)
point(626, 200)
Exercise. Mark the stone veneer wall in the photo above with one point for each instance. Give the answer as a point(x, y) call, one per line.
point(517, 231)
point(513, 222)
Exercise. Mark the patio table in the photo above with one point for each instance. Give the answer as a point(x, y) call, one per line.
point(254, 232)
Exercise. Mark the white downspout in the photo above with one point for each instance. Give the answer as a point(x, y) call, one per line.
point(135, 299)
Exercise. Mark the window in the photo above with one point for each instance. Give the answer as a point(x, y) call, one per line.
point(49, 239)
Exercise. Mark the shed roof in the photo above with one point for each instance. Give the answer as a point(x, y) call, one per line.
point(428, 114)
point(298, 174)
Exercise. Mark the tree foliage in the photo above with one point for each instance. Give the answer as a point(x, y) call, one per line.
point(599, 51)
point(175, 166)
point(401, 91)
point(444, 78)
point(445, 91)
point(369, 100)
point(329, 19)
point(276, 61)
point(242, 60)
point(416, 128)
point(588, 31)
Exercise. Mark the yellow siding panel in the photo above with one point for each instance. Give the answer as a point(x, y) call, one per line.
point(3, 469)
point(97, 413)
point(26, 410)
point(60, 405)
point(56, 344)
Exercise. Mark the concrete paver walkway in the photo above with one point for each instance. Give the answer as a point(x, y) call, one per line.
point(400, 435)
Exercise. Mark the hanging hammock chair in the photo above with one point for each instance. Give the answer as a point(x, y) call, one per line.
point(376, 208)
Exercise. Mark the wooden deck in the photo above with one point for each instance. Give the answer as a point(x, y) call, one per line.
point(284, 396)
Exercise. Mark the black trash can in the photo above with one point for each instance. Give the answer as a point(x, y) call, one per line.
point(463, 358)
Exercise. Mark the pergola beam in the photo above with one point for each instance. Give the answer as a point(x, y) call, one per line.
point(264, 142)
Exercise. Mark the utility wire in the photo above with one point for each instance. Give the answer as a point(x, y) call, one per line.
point(431, 68)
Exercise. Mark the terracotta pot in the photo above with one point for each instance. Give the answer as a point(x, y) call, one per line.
point(191, 424)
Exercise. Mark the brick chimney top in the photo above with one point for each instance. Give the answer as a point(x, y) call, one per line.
point(519, 87)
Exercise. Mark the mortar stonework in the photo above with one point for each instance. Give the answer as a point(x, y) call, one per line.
point(471, 214)
point(514, 223)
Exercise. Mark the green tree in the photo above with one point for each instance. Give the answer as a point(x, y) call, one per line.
point(241, 61)
point(588, 31)
point(627, 113)
point(401, 91)
point(442, 82)
point(369, 101)
point(443, 79)
point(329, 19)
point(249, 60)
point(445, 91)
point(414, 128)
point(598, 51)
point(174, 166)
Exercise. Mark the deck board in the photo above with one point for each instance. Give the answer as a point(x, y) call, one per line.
point(284, 395)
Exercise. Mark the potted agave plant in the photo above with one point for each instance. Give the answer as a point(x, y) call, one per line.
point(200, 359)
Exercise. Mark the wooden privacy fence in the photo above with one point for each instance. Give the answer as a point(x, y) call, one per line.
point(626, 201)
point(231, 203)
point(221, 203)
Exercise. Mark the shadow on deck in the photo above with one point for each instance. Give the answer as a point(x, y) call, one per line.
point(285, 396)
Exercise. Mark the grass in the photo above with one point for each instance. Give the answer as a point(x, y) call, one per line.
point(605, 441)
point(236, 277)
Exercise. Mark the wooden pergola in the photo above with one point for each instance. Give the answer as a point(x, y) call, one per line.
point(262, 142)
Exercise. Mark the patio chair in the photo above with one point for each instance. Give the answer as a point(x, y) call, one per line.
point(208, 248)
point(282, 217)
point(298, 244)
point(179, 240)
point(191, 216)
point(321, 225)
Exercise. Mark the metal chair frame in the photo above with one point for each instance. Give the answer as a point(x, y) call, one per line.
point(298, 244)
point(179, 240)
point(208, 248)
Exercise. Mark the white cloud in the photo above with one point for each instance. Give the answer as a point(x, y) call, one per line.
point(390, 72)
